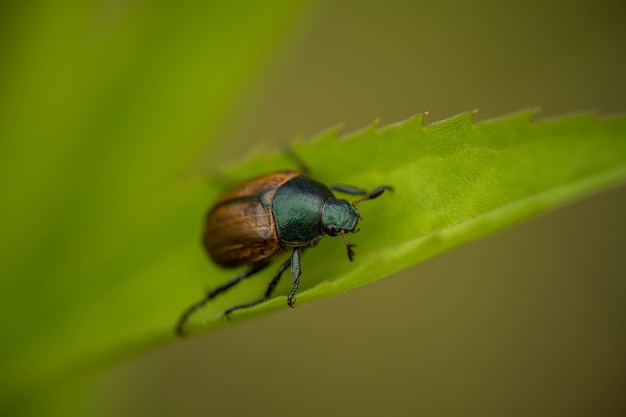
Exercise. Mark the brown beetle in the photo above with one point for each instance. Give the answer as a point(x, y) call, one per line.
point(254, 221)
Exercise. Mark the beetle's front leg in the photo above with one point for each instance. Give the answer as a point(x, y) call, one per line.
point(347, 189)
point(376, 192)
point(367, 195)
point(295, 272)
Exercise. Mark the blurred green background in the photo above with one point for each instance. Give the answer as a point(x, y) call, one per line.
point(531, 321)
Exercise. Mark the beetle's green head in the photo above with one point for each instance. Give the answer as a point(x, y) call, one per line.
point(338, 218)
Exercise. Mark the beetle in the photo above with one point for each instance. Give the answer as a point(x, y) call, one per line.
point(258, 219)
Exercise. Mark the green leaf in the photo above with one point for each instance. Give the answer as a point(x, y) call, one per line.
point(100, 250)
point(454, 182)
point(118, 287)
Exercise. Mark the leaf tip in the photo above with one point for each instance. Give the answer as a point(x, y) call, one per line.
point(373, 127)
point(328, 135)
point(465, 117)
point(418, 119)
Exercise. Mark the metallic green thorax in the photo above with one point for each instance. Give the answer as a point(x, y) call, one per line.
point(303, 209)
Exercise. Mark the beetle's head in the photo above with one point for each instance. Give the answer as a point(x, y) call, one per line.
point(338, 218)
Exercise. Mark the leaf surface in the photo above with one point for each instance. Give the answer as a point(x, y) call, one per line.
point(454, 182)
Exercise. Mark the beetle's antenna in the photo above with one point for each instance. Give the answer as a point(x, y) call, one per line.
point(348, 245)
point(376, 192)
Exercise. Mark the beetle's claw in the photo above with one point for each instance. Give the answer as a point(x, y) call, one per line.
point(291, 302)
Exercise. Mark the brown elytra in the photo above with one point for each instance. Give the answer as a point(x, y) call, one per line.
point(240, 229)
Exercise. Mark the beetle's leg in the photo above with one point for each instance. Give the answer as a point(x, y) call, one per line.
point(302, 166)
point(367, 195)
point(349, 246)
point(295, 272)
point(348, 189)
point(376, 192)
point(179, 329)
point(268, 291)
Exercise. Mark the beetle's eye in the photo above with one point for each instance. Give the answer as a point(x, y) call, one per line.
point(331, 229)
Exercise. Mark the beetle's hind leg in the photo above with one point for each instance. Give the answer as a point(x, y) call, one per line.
point(268, 292)
point(180, 325)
